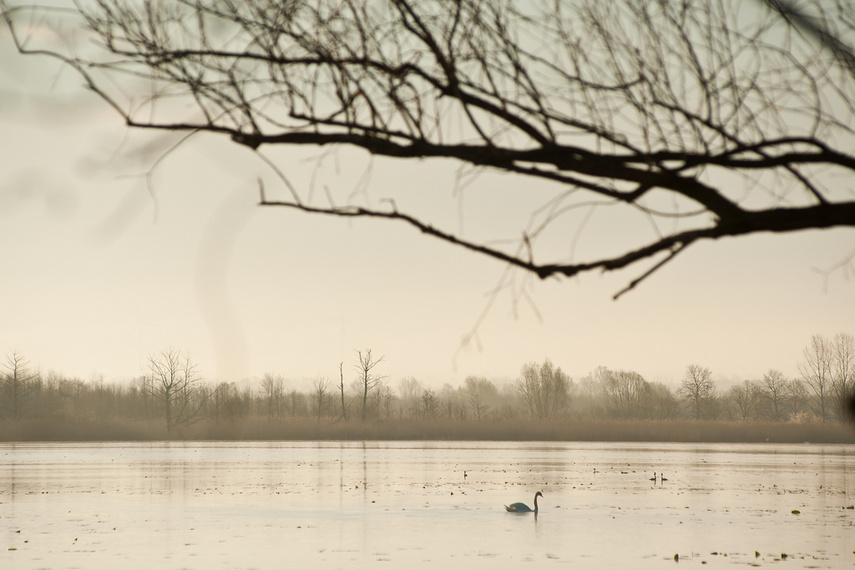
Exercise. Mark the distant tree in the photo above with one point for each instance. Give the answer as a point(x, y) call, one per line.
point(544, 388)
point(797, 399)
point(341, 391)
point(589, 396)
point(103, 404)
point(273, 392)
point(386, 405)
point(682, 113)
point(508, 407)
point(430, 404)
point(454, 402)
point(226, 401)
point(816, 373)
point(698, 389)
point(745, 399)
point(145, 383)
point(409, 390)
point(774, 390)
point(367, 378)
point(319, 396)
point(843, 372)
point(296, 404)
point(18, 386)
point(479, 392)
point(661, 403)
point(174, 381)
point(626, 392)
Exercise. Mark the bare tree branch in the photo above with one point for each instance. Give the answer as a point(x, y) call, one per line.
point(723, 118)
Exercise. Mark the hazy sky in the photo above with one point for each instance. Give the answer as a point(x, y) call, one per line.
point(102, 266)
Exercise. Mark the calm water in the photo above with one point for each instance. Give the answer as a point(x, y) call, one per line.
point(408, 505)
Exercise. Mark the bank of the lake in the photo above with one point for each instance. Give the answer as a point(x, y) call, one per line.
point(255, 429)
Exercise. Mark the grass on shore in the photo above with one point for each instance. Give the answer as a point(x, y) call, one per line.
point(259, 429)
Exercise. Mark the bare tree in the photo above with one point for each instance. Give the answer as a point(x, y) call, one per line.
point(18, 386)
point(367, 378)
point(224, 402)
point(545, 389)
point(409, 389)
point(589, 394)
point(319, 396)
point(843, 372)
point(698, 389)
point(626, 392)
point(816, 373)
point(387, 400)
point(174, 381)
point(430, 404)
point(703, 118)
point(454, 401)
point(341, 390)
point(745, 398)
point(661, 403)
point(296, 403)
point(273, 390)
point(797, 399)
point(479, 391)
point(774, 390)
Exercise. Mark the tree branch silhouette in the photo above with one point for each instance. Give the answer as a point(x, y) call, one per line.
point(716, 118)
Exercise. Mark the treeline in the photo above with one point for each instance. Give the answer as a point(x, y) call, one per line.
point(173, 397)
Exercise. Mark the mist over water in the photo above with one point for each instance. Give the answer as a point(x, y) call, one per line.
point(408, 504)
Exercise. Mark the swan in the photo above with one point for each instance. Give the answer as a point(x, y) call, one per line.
point(522, 507)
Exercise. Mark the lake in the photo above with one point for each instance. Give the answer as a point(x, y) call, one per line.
point(203, 505)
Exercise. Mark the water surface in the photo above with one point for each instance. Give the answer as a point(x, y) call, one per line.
point(408, 504)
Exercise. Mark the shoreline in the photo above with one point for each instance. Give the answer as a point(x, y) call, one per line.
point(260, 429)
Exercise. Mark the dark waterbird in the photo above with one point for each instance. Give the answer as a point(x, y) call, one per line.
point(522, 507)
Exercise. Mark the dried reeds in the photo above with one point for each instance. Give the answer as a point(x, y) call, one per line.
point(255, 429)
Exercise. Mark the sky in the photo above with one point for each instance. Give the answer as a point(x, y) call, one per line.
point(107, 259)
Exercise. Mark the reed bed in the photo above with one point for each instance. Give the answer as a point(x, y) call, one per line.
point(259, 429)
